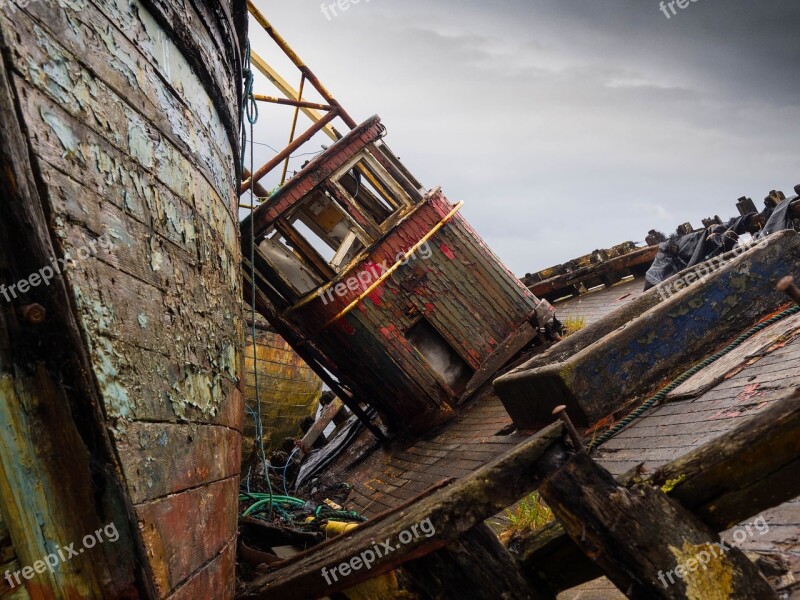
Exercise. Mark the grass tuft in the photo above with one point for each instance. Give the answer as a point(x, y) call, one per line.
point(574, 324)
point(530, 514)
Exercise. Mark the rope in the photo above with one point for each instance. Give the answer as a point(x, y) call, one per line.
point(250, 112)
point(649, 403)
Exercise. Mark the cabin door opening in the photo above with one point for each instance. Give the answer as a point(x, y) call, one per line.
point(440, 355)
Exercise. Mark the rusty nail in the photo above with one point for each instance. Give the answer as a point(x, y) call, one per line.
point(561, 413)
point(33, 313)
point(787, 285)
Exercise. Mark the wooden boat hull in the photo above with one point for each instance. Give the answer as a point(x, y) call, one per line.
point(119, 395)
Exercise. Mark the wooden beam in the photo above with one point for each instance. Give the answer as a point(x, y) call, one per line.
point(316, 430)
point(735, 477)
point(451, 511)
point(475, 566)
point(648, 545)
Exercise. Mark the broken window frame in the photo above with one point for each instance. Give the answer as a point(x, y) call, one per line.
point(356, 233)
point(321, 270)
point(286, 286)
point(382, 180)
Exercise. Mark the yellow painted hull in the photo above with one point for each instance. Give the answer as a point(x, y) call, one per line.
point(288, 389)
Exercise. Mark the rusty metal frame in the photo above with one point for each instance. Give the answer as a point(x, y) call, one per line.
point(294, 98)
point(287, 151)
point(295, 103)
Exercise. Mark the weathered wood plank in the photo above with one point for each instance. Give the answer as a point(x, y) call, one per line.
point(647, 544)
point(451, 512)
point(316, 430)
point(182, 531)
point(212, 581)
point(116, 90)
point(717, 372)
point(164, 458)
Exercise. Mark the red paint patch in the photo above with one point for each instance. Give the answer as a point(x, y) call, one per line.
point(429, 308)
point(386, 332)
point(726, 414)
point(447, 252)
point(376, 296)
point(748, 393)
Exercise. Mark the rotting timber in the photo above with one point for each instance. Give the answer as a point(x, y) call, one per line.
point(678, 512)
point(119, 396)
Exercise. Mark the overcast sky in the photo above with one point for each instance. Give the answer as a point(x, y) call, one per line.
point(564, 125)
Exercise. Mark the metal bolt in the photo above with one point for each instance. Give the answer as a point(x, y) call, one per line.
point(33, 313)
point(787, 285)
point(561, 413)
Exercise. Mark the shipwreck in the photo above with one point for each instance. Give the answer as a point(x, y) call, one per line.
point(334, 388)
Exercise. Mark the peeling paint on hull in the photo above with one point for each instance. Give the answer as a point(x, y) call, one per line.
point(132, 116)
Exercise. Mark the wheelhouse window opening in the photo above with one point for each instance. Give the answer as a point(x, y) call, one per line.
point(332, 235)
point(397, 169)
point(372, 190)
point(290, 264)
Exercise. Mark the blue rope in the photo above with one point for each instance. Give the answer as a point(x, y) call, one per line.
point(691, 372)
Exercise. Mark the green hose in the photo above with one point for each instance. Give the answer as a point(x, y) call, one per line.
point(268, 500)
point(693, 371)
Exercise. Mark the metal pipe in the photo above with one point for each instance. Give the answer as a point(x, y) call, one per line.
point(260, 190)
point(561, 413)
point(283, 154)
point(288, 102)
point(298, 62)
point(294, 126)
point(279, 82)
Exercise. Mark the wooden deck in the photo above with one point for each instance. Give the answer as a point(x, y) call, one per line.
point(597, 304)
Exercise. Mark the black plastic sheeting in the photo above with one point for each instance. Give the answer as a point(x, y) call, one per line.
point(319, 460)
point(681, 252)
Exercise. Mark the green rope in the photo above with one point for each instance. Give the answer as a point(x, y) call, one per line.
point(693, 371)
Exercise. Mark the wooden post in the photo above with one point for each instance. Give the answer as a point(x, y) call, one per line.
point(647, 544)
point(475, 566)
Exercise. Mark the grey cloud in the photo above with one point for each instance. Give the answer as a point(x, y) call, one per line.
point(565, 125)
